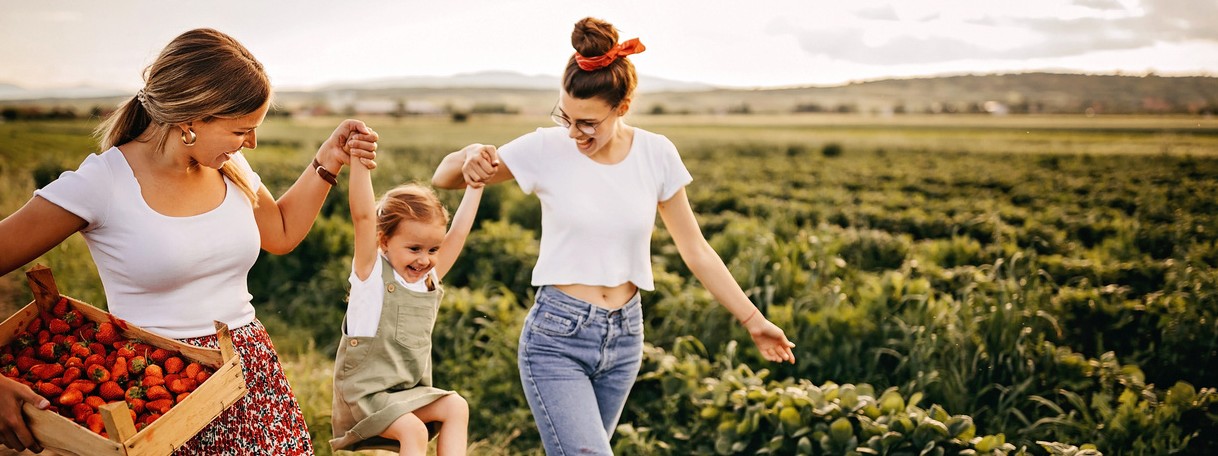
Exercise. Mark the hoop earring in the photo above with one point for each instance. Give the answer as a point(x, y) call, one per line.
point(192, 138)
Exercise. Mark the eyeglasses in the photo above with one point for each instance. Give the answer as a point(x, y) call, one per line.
point(588, 128)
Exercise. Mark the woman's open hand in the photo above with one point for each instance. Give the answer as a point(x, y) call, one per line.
point(771, 341)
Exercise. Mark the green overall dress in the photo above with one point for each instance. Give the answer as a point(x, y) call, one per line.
point(378, 379)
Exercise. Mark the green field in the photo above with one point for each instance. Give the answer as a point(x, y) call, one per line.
point(953, 283)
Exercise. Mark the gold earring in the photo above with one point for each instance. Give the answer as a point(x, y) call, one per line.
point(192, 138)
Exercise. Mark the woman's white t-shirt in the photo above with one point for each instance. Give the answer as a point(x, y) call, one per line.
point(170, 275)
point(596, 219)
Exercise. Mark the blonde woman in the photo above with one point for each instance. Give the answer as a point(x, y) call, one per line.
point(175, 217)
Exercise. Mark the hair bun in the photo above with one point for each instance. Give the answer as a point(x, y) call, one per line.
point(593, 37)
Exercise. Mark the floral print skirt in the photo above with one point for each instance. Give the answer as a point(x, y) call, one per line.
point(267, 420)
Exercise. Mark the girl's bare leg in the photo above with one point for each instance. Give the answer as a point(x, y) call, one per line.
point(410, 431)
point(453, 412)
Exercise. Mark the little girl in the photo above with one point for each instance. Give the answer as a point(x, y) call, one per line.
point(383, 395)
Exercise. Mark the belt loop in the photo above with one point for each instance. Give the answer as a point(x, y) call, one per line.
point(591, 311)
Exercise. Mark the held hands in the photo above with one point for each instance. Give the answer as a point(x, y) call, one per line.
point(770, 339)
point(13, 431)
point(481, 162)
point(352, 139)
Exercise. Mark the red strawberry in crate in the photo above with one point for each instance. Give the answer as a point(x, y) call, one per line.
point(24, 363)
point(58, 326)
point(70, 374)
point(110, 391)
point(95, 402)
point(157, 392)
point(80, 349)
point(97, 373)
point(48, 389)
point(84, 386)
point(71, 397)
point(60, 308)
point(75, 319)
point(107, 334)
point(159, 355)
point(8, 358)
point(46, 372)
point(95, 423)
point(137, 365)
point(174, 365)
point(161, 406)
point(10, 371)
point(81, 412)
point(34, 326)
point(95, 359)
point(48, 351)
point(118, 371)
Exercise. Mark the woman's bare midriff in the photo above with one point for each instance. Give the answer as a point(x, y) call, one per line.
point(601, 296)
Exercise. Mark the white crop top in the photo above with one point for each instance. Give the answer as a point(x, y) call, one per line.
point(170, 275)
point(596, 219)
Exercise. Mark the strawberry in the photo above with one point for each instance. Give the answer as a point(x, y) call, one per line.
point(58, 326)
point(153, 370)
point(97, 349)
point(174, 365)
point(48, 389)
point(125, 349)
point(118, 372)
point(81, 412)
point(71, 397)
point(46, 371)
point(8, 357)
point(95, 402)
point(202, 377)
point(192, 370)
point(80, 349)
point(74, 361)
point(161, 406)
point(86, 332)
point(110, 391)
point(95, 359)
point(84, 386)
point(74, 318)
point(182, 397)
point(157, 392)
point(48, 351)
point(153, 380)
point(24, 363)
point(43, 337)
point(60, 308)
point(137, 405)
point(159, 355)
point(71, 373)
point(34, 326)
point(95, 423)
point(179, 385)
point(137, 364)
point(107, 334)
point(97, 373)
point(150, 418)
point(134, 392)
point(10, 371)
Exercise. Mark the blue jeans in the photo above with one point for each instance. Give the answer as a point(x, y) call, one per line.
point(576, 359)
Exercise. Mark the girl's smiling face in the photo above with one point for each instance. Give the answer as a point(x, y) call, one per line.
point(412, 249)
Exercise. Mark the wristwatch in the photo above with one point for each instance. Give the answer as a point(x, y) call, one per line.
point(324, 173)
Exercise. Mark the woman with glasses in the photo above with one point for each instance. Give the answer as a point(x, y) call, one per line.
point(600, 182)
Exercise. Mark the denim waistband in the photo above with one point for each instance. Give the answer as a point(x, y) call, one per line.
point(552, 296)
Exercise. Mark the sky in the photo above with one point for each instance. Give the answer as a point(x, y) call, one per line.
point(307, 43)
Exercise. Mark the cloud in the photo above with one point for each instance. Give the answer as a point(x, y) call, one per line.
point(1090, 25)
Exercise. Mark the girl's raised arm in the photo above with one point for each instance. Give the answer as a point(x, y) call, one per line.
point(454, 240)
point(362, 200)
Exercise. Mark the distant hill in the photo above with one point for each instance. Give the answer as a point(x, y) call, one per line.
point(504, 92)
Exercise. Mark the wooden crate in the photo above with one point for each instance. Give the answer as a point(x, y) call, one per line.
point(167, 433)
